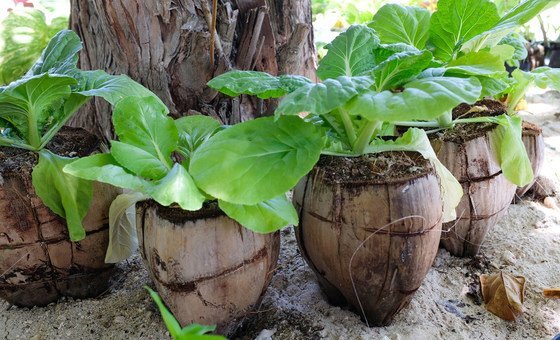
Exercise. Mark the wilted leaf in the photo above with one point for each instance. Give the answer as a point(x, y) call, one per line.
point(552, 293)
point(503, 294)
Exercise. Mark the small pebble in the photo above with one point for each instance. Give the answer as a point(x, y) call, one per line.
point(508, 257)
point(550, 202)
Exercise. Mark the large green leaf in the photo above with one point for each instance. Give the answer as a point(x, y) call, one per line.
point(30, 104)
point(260, 84)
point(402, 24)
point(482, 63)
point(122, 227)
point(517, 16)
point(507, 146)
point(104, 168)
point(60, 56)
point(66, 195)
point(113, 88)
point(193, 131)
point(256, 160)
point(147, 136)
point(350, 54)
point(177, 187)
point(265, 217)
point(323, 97)
point(422, 99)
point(457, 21)
point(417, 140)
point(399, 68)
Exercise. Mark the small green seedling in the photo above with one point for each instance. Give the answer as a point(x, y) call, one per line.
point(192, 332)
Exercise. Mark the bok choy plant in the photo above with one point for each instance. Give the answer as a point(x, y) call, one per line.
point(34, 108)
point(469, 39)
point(247, 167)
point(366, 88)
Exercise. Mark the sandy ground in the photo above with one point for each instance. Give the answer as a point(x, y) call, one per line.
point(526, 242)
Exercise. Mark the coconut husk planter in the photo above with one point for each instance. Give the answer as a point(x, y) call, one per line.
point(206, 267)
point(465, 151)
point(370, 228)
point(534, 144)
point(38, 262)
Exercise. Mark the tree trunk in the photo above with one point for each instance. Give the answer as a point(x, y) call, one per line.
point(165, 45)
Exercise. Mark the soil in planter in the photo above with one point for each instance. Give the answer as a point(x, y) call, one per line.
point(465, 151)
point(206, 267)
point(370, 228)
point(38, 263)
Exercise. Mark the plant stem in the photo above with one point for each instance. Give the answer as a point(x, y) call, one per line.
point(417, 124)
point(348, 126)
point(365, 136)
point(33, 137)
point(445, 120)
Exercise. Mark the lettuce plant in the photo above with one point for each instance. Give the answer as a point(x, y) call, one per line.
point(34, 108)
point(247, 168)
point(469, 39)
point(367, 87)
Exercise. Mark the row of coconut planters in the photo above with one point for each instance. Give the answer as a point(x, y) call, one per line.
point(417, 143)
point(381, 130)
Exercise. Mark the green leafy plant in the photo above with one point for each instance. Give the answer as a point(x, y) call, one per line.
point(470, 39)
point(34, 108)
point(247, 168)
point(25, 33)
point(367, 87)
point(191, 332)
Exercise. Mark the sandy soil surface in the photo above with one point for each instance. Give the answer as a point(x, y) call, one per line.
point(526, 242)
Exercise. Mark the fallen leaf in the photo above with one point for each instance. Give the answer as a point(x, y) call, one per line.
point(552, 293)
point(503, 294)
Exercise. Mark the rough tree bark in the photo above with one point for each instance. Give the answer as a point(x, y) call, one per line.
point(165, 46)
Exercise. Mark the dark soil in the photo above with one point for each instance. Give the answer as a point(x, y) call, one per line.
point(466, 132)
point(68, 142)
point(386, 167)
point(176, 215)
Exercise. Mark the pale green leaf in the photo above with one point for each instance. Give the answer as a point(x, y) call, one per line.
point(402, 24)
point(104, 168)
point(483, 63)
point(509, 150)
point(146, 132)
point(399, 68)
point(265, 217)
point(177, 187)
point(422, 99)
point(66, 195)
point(122, 227)
point(257, 160)
point(193, 131)
point(323, 97)
point(417, 140)
point(516, 17)
point(349, 54)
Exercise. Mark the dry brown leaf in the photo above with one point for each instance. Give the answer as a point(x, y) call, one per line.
point(503, 294)
point(552, 293)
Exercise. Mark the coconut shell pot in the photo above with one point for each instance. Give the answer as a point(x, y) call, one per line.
point(465, 151)
point(206, 267)
point(534, 144)
point(38, 262)
point(370, 228)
